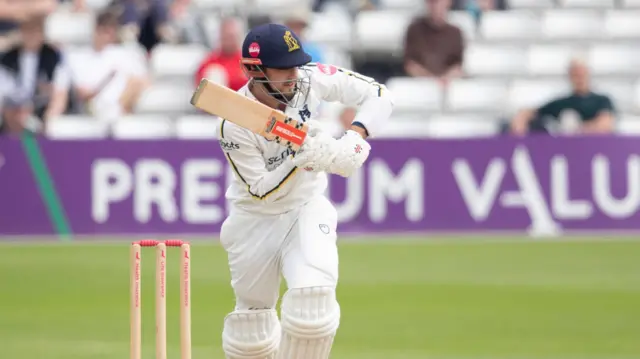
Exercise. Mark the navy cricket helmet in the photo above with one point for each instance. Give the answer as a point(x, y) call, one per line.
point(275, 46)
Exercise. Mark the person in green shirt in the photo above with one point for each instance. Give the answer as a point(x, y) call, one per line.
point(595, 111)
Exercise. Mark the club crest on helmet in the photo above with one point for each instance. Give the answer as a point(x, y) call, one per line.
point(291, 41)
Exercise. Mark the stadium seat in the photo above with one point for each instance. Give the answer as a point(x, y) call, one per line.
point(464, 22)
point(636, 96)
point(531, 4)
point(602, 4)
point(410, 5)
point(76, 127)
point(510, 25)
point(337, 57)
point(620, 91)
point(224, 5)
point(622, 24)
point(270, 7)
point(476, 95)
point(405, 127)
point(330, 28)
point(547, 59)
point(64, 27)
point(415, 95)
point(531, 93)
point(139, 127)
point(167, 98)
point(381, 31)
point(211, 25)
point(461, 126)
point(495, 60)
point(628, 124)
point(572, 25)
point(611, 59)
point(97, 4)
point(197, 127)
point(177, 60)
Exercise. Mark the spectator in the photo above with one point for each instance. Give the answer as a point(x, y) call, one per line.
point(223, 64)
point(17, 115)
point(12, 12)
point(594, 112)
point(36, 67)
point(145, 20)
point(8, 85)
point(184, 25)
point(317, 5)
point(477, 7)
point(433, 47)
point(9, 15)
point(298, 21)
point(254, 20)
point(79, 5)
point(107, 78)
point(365, 5)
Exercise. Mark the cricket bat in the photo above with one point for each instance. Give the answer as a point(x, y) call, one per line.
point(259, 118)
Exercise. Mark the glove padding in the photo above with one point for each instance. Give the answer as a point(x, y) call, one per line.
point(318, 150)
point(353, 151)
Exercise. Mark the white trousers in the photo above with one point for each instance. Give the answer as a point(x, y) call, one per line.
point(299, 245)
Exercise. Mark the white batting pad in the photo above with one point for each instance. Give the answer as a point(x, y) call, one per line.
point(310, 320)
point(251, 334)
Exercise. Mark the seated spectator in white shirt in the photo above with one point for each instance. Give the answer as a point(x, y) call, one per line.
point(106, 79)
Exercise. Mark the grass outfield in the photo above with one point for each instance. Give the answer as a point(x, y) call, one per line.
point(428, 300)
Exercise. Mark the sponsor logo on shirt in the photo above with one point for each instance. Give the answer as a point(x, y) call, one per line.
point(275, 161)
point(228, 145)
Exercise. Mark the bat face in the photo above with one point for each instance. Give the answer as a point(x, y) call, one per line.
point(259, 118)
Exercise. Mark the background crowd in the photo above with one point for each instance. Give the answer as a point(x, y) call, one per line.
point(457, 68)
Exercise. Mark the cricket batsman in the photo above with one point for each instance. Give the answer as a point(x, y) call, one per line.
point(280, 222)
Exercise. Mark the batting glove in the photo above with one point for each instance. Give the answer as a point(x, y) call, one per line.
point(353, 151)
point(317, 152)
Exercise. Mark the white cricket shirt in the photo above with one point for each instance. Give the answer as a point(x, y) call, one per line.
point(265, 179)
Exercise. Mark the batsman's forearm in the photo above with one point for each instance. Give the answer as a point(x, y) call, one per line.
point(363, 132)
point(374, 112)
